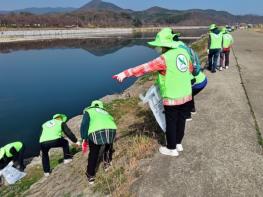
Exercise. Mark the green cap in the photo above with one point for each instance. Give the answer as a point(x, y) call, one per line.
point(178, 34)
point(97, 103)
point(164, 39)
point(62, 116)
point(224, 30)
point(212, 26)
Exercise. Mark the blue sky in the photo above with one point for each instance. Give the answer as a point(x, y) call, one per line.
point(233, 6)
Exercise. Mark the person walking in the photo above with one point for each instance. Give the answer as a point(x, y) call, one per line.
point(12, 152)
point(52, 137)
point(214, 47)
point(174, 80)
point(98, 129)
point(227, 43)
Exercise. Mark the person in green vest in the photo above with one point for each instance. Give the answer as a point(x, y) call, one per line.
point(12, 152)
point(227, 43)
point(98, 129)
point(52, 137)
point(214, 47)
point(174, 69)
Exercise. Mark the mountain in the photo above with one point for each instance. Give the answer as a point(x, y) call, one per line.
point(46, 10)
point(99, 5)
point(98, 13)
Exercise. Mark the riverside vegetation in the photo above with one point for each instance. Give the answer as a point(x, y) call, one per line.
point(137, 140)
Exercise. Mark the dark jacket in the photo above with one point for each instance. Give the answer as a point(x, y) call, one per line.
point(68, 132)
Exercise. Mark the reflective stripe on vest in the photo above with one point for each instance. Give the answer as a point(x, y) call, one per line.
point(200, 78)
point(216, 41)
point(227, 41)
point(51, 130)
point(99, 120)
point(7, 148)
point(175, 85)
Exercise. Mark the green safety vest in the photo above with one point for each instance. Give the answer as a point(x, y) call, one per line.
point(6, 149)
point(176, 83)
point(216, 41)
point(51, 130)
point(227, 40)
point(200, 78)
point(99, 120)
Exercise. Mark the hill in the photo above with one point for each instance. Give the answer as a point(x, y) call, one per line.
point(46, 10)
point(98, 13)
point(99, 5)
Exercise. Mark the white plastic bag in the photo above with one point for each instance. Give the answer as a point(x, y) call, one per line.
point(155, 101)
point(11, 174)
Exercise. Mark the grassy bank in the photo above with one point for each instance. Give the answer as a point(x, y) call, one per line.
point(34, 174)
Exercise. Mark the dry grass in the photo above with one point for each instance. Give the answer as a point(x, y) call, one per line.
point(138, 139)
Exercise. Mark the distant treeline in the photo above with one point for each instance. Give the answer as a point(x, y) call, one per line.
point(110, 18)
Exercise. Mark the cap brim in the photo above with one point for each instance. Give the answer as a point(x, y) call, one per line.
point(161, 44)
point(63, 116)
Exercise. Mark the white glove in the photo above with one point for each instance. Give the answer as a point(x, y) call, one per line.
point(207, 51)
point(120, 77)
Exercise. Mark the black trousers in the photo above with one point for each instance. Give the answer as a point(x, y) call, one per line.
point(224, 57)
point(94, 151)
point(175, 124)
point(213, 59)
point(192, 102)
point(46, 146)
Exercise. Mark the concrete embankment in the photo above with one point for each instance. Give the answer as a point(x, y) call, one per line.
point(49, 34)
point(222, 156)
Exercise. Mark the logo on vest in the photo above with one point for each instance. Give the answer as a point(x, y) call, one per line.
point(51, 124)
point(182, 63)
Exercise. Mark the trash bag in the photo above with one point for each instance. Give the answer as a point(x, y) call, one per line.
point(155, 101)
point(11, 174)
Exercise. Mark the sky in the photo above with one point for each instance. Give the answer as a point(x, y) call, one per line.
point(233, 6)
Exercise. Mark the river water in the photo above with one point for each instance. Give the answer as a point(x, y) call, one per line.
point(39, 79)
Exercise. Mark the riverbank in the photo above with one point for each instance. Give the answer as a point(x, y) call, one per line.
point(137, 141)
point(8, 36)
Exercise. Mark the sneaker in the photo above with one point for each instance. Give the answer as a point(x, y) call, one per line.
point(66, 161)
point(179, 147)
point(220, 68)
point(193, 111)
point(91, 179)
point(46, 174)
point(227, 67)
point(165, 151)
point(107, 166)
point(188, 119)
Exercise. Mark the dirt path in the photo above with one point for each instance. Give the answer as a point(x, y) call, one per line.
point(222, 156)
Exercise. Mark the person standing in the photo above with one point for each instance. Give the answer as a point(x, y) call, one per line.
point(98, 128)
point(12, 152)
point(227, 43)
point(52, 137)
point(214, 47)
point(174, 80)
